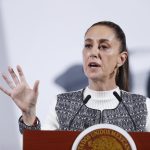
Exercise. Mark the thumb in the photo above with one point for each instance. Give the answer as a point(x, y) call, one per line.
point(36, 86)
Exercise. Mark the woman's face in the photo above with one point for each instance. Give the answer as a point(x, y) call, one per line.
point(101, 53)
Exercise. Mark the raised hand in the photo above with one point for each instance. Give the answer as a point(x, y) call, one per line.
point(21, 93)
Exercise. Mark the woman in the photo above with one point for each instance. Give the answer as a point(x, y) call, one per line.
point(105, 63)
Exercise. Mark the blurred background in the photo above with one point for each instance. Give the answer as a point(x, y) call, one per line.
point(46, 38)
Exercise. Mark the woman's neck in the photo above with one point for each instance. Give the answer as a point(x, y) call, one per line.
point(102, 85)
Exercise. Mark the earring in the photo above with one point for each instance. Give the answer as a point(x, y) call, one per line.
point(118, 65)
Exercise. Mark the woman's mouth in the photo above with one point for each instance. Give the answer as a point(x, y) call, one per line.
point(94, 65)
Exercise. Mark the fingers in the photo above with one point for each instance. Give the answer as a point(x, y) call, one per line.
point(8, 81)
point(21, 75)
point(13, 75)
point(36, 86)
point(5, 91)
point(15, 78)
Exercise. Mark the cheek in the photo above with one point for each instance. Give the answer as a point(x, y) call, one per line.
point(84, 56)
point(85, 59)
point(108, 61)
point(111, 62)
point(84, 63)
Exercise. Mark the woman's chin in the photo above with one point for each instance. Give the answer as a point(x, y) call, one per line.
point(94, 77)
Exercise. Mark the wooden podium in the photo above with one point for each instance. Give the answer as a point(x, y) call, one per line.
point(63, 140)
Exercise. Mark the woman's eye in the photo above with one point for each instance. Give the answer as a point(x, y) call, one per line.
point(103, 47)
point(88, 45)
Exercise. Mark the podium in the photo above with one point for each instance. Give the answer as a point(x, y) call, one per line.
point(63, 140)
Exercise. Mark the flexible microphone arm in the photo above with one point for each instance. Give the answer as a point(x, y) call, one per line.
point(84, 102)
point(120, 100)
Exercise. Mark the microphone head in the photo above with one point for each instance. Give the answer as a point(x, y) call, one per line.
point(86, 99)
point(117, 96)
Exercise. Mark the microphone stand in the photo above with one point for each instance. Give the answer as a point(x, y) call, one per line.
point(84, 102)
point(120, 100)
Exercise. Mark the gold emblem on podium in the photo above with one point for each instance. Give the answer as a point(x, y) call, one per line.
point(104, 137)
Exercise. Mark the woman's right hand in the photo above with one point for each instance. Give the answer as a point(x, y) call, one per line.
point(21, 93)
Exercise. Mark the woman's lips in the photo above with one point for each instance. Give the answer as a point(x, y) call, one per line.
point(94, 64)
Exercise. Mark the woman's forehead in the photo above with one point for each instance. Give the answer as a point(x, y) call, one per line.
point(100, 32)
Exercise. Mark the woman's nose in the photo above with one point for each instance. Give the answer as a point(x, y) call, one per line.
point(95, 52)
point(93, 56)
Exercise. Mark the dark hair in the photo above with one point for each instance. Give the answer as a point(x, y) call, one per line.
point(122, 77)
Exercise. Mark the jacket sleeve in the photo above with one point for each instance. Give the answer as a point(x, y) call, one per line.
point(22, 126)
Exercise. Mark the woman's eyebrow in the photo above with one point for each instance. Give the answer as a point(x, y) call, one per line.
point(99, 41)
point(88, 40)
point(103, 40)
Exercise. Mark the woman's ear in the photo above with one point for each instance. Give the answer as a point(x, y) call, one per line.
point(122, 58)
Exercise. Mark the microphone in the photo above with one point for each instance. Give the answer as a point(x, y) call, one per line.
point(84, 102)
point(120, 100)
